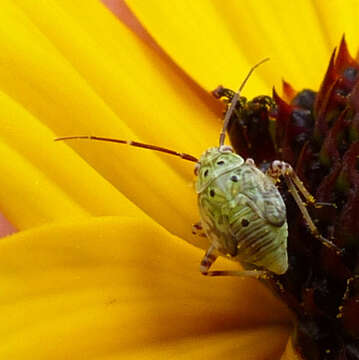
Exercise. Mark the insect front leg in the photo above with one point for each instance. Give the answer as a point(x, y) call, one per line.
point(281, 168)
point(197, 229)
point(210, 257)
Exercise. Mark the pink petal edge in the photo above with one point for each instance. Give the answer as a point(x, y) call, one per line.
point(5, 227)
point(123, 12)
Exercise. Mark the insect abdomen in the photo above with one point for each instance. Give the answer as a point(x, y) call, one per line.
point(258, 242)
point(234, 213)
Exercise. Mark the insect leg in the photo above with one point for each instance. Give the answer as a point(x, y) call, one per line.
point(349, 286)
point(197, 229)
point(210, 257)
point(300, 186)
point(281, 168)
point(347, 294)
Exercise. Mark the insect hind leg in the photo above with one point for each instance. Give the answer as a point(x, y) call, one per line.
point(281, 168)
point(210, 257)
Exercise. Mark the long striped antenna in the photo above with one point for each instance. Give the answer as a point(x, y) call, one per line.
point(132, 143)
point(234, 101)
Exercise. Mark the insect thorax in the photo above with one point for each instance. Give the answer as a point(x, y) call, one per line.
point(242, 211)
point(215, 162)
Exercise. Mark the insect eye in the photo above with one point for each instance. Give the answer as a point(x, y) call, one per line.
point(221, 162)
point(212, 193)
point(206, 173)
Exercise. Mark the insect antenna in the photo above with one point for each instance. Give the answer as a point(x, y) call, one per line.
point(132, 143)
point(234, 101)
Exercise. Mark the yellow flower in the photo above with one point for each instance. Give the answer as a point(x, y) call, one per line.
point(99, 268)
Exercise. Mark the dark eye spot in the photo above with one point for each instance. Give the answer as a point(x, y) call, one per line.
point(244, 222)
point(220, 162)
point(205, 173)
point(234, 178)
point(212, 193)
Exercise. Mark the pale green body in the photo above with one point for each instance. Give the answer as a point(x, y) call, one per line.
point(242, 211)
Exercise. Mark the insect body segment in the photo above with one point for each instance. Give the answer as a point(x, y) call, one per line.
point(242, 211)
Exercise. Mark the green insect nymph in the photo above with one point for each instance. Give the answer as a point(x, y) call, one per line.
point(242, 212)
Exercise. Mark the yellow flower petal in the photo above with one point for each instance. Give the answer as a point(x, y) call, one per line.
point(336, 20)
point(28, 197)
point(216, 42)
point(109, 285)
point(198, 39)
point(246, 344)
point(105, 81)
point(46, 180)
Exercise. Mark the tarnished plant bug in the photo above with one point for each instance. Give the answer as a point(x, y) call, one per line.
point(242, 212)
